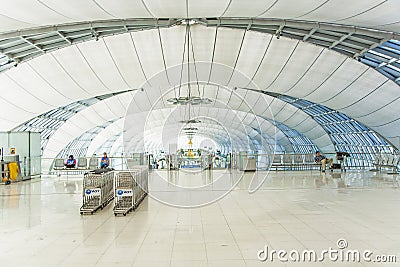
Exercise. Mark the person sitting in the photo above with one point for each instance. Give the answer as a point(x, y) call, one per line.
point(71, 162)
point(105, 161)
point(321, 159)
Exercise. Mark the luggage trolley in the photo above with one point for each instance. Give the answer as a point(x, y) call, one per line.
point(97, 191)
point(127, 192)
point(142, 186)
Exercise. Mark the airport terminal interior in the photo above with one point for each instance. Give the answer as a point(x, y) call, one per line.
point(199, 133)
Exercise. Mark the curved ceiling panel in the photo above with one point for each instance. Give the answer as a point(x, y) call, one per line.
point(95, 115)
point(104, 136)
point(376, 14)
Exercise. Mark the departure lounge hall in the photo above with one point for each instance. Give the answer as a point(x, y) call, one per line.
point(199, 133)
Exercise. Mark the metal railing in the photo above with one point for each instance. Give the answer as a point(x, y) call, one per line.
point(306, 161)
point(289, 161)
point(85, 164)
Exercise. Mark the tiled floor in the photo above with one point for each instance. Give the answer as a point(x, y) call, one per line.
point(41, 225)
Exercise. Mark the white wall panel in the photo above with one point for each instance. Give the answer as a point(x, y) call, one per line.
point(286, 8)
point(99, 59)
point(7, 23)
point(95, 115)
point(197, 9)
point(149, 51)
point(51, 72)
point(277, 54)
point(328, 62)
point(173, 41)
point(376, 100)
point(359, 89)
point(125, 8)
point(19, 97)
point(381, 17)
point(281, 108)
point(255, 8)
point(283, 111)
point(342, 78)
point(174, 9)
point(227, 46)
point(253, 48)
point(103, 136)
point(74, 10)
point(331, 11)
point(298, 64)
point(203, 42)
point(33, 84)
point(126, 60)
point(13, 116)
point(73, 62)
point(384, 115)
point(297, 119)
point(26, 11)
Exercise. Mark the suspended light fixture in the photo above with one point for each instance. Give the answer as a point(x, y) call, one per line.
point(190, 98)
point(190, 129)
point(190, 121)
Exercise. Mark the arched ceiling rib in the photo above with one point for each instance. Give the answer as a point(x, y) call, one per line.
point(49, 122)
point(95, 115)
point(346, 133)
point(20, 46)
point(51, 12)
point(78, 147)
point(385, 59)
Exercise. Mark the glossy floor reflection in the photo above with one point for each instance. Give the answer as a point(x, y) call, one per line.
point(41, 225)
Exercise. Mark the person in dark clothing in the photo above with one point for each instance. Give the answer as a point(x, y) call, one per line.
point(71, 162)
point(321, 159)
point(105, 161)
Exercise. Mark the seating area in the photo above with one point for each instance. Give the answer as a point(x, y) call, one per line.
point(291, 162)
point(386, 161)
point(81, 165)
point(298, 162)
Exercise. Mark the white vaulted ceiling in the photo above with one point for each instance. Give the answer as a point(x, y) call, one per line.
point(130, 60)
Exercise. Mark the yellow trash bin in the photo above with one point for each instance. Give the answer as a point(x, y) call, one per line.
point(14, 170)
